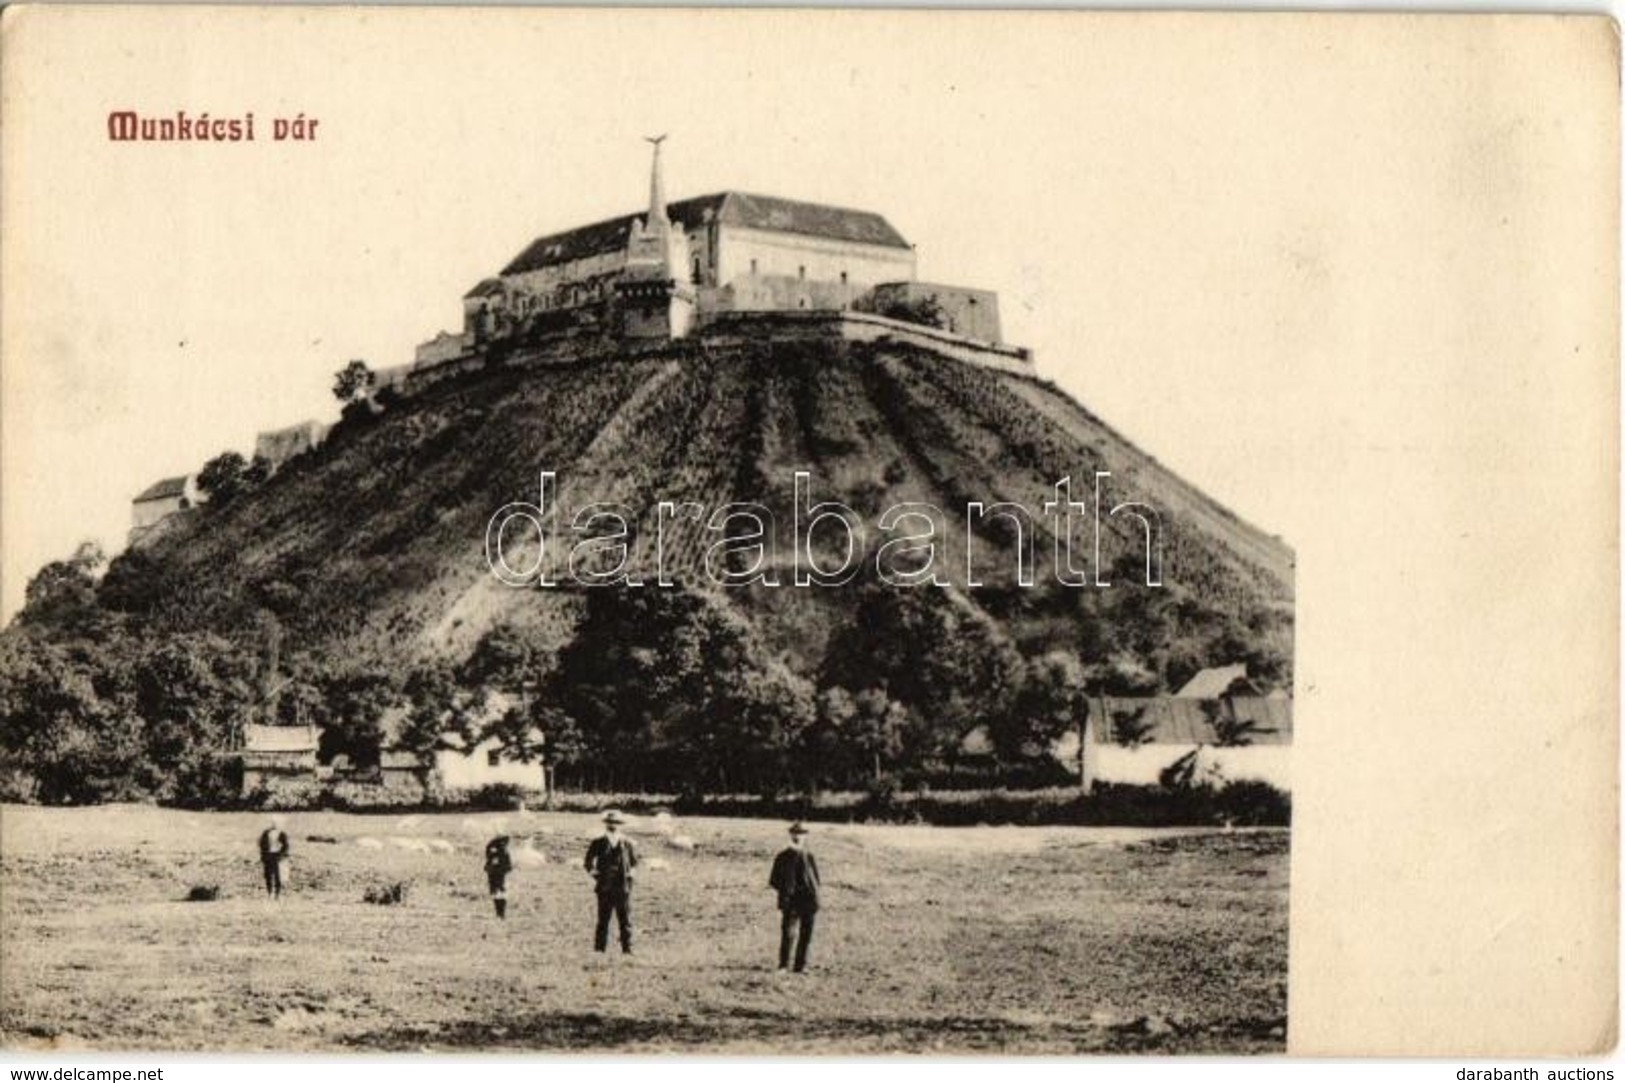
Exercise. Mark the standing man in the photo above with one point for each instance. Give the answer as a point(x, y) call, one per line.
point(795, 878)
point(498, 864)
point(610, 861)
point(273, 851)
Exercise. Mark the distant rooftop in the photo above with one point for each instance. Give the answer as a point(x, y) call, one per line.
point(279, 738)
point(731, 208)
point(167, 489)
point(1219, 681)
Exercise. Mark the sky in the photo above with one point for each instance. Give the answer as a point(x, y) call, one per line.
point(1169, 218)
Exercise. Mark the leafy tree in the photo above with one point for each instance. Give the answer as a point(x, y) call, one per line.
point(565, 745)
point(63, 592)
point(299, 703)
point(1050, 702)
point(192, 691)
point(438, 704)
point(1131, 729)
point(504, 660)
point(136, 583)
point(74, 742)
point(257, 471)
point(1232, 732)
point(223, 478)
point(923, 310)
point(857, 735)
point(356, 703)
point(517, 735)
point(669, 687)
point(354, 382)
point(936, 655)
point(1123, 674)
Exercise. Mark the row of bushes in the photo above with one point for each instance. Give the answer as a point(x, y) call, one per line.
point(1251, 804)
point(1242, 804)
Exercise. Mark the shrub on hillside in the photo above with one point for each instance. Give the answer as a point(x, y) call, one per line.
point(497, 797)
point(387, 894)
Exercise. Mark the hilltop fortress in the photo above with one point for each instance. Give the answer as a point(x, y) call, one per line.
point(720, 269)
point(708, 265)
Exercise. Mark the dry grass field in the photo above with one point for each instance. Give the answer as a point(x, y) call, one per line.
point(932, 940)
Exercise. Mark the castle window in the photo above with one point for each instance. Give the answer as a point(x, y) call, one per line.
point(696, 270)
point(801, 272)
point(843, 278)
point(493, 757)
point(752, 266)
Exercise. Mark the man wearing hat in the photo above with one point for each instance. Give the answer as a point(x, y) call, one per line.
point(795, 878)
point(273, 851)
point(610, 861)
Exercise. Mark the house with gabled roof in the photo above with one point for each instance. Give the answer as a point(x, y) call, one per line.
point(278, 756)
point(158, 501)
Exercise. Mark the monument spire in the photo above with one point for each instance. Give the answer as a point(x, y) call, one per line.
point(657, 190)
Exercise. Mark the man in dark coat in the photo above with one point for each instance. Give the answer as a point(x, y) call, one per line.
point(610, 861)
point(795, 878)
point(273, 851)
point(498, 864)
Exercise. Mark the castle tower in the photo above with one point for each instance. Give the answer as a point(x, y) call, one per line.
point(657, 190)
point(653, 299)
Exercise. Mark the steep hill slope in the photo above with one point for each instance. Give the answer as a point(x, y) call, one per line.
point(372, 546)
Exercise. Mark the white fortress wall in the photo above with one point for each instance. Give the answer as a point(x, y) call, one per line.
point(797, 255)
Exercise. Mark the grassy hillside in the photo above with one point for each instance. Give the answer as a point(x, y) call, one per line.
point(353, 585)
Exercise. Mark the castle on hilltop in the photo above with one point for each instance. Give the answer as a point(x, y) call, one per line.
point(677, 268)
point(727, 267)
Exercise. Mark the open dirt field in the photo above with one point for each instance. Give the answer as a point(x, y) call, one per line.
point(937, 940)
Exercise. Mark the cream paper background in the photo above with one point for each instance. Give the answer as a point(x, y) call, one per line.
point(1357, 276)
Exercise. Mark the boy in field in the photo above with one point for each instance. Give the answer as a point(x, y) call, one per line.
point(498, 864)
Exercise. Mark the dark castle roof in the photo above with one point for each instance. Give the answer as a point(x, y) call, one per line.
point(731, 208)
point(486, 288)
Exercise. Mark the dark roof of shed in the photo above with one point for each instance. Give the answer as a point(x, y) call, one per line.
point(1175, 721)
point(731, 208)
point(162, 490)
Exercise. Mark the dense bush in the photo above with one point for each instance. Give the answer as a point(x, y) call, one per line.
point(1252, 804)
point(496, 796)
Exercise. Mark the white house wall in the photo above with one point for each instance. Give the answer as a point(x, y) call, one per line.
point(471, 771)
point(823, 258)
point(1143, 765)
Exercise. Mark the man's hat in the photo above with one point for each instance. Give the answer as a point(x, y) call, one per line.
point(613, 816)
point(798, 828)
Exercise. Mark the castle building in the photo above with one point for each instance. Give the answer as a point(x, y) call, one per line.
point(276, 446)
point(674, 267)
